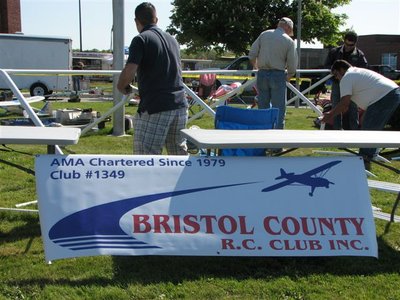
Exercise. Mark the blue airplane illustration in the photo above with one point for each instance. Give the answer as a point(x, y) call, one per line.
point(306, 178)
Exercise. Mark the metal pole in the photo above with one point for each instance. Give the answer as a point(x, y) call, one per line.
point(298, 48)
point(118, 64)
point(80, 27)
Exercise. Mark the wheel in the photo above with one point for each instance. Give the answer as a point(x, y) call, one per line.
point(39, 89)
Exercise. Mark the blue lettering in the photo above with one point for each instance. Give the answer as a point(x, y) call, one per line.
point(67, 162)
point(64, 175)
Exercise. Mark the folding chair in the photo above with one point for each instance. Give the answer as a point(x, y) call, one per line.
point(233, 118)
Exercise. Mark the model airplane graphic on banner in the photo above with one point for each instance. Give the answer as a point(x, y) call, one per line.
point(306, 179)
point(14, 106)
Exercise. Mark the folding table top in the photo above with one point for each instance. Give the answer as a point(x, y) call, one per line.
point(39, 135)
point(217, 138)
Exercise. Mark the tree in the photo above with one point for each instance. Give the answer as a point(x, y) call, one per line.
point(232, 25)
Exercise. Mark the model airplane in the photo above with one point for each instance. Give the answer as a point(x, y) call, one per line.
point(15, 107)
point(307, 178)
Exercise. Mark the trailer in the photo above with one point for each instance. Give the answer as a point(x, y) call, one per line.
point(19, 51)
point(94, 61)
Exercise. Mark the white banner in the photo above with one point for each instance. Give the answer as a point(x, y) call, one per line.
point(217, 206)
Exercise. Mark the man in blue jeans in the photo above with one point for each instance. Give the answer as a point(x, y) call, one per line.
point(376, 94)
point(272, 53)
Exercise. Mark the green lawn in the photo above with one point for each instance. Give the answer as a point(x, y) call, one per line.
point(25, 275)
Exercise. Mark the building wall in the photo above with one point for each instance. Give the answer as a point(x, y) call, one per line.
point(375, 45)
point(10, 16)
point(313, 58)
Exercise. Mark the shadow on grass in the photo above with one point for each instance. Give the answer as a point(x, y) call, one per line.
point(28, 227)
point(9, 149)
point(176, 269)
point(26, 170)
point(147, 270)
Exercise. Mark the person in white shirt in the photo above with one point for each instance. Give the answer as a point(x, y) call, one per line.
point(371, 91)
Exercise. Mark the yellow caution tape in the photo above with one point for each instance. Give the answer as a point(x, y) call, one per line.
point(240, 78)
point(219, 76)
point(301, 80)
point(234, 77)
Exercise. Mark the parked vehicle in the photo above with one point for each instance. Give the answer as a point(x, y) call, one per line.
point(19, 51)
point(386, 71)
point(240, 63)
point(94, 61)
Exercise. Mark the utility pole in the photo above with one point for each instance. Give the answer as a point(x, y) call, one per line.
point(297, 102)
point(118, 64)
point(80, 27)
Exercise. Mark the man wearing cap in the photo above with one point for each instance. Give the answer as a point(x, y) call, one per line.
point(274, 55)
point(354, 56)
point(376, 94)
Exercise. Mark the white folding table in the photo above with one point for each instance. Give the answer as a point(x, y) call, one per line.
point(36, 135)
point(220, 139)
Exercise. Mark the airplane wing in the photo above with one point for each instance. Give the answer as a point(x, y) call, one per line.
point(321, 168)
point(18, 103)
point(278, 185)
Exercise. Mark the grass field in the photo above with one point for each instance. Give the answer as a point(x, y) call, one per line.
point(25, 275)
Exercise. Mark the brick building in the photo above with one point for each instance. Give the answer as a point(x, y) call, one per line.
point(10, 16)
point(381, 49)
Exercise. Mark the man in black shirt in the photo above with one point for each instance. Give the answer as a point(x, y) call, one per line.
point(354, 56)
point(162, 112)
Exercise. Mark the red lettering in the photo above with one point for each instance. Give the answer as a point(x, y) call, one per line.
point(192, 224)
point(243, 226)
point(187, 220)
point(267, 225)
point(357, 225)
point(273, 245)
point(209, 226)
point(343, 227)
point(140, 221)
point(295, 228)
point(295, 245)
point(246, 244)
point(161, 221)
point(326, 223)
point(354, 243)
point(287, 245)
point(305, 224)
point(315, 245)
point(227, 244)
point(223, 228)
point(177, 224)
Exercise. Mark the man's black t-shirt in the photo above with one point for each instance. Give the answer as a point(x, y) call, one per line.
point(159, 72)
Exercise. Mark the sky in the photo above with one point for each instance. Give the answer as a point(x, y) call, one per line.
point(61, 18)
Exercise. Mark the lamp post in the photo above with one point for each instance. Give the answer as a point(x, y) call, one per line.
point(118, 63)
point(297, 102)
point(80, 27)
